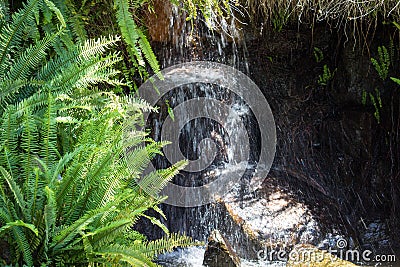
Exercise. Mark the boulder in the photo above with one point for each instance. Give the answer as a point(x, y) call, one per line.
point(219, 252)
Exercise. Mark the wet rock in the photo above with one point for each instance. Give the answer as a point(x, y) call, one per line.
point(374, 236)
point(308, 255)
point(219, 252)
point(274, 219)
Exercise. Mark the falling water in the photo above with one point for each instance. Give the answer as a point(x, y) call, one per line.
point(204, 135)
point(272, 215)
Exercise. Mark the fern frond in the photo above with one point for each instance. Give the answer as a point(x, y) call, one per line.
point(129, 30)
point(49, 133)
point(87, 73)
point(15, 189)
point(166, 244)
point(157, 222)
point(148, 53)
point(11, 35)
point(29, 145)
point(120, 253)
point(49, 214)
point(31, 58)
point(80, 53)
point(396, 80)
point(8, 88)
point(156, 180)
point(56, 11)
point(4, 13)
point(59, 167)
point(64, 237)
point(19, 223)
point(23, 245)
point(9, 137)
point(68, 184)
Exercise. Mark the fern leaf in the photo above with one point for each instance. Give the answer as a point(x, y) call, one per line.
point(11, 35)
point(157, 222)
point(20, 223)
point(29, 143)
point(156, 180)
point(23, 245)
point(148, 53)
point(129, 30)
point(15, 189)
point(49, 214)
point(166, 244)
point(8, 88)
point(396, 80)
point(120, 253)
point(68, 234)
point(80, 53)
point(31, 58)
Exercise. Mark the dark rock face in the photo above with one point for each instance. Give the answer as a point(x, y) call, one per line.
point(336, 168)
point(219, 252)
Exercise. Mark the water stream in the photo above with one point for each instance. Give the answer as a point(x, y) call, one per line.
point(297, 203)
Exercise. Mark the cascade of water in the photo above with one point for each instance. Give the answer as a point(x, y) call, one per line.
point(205, 136)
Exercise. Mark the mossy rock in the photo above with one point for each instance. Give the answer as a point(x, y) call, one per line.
point(310, 256)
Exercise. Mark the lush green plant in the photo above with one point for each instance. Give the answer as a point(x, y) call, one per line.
point(212, 10)
point(279, 20)
point(137, 44)
point(376, 102)
point(69, 164)
point(78, 208)
point(382, 64)
point(326, 76)
point(318, 54)
point(396, 80)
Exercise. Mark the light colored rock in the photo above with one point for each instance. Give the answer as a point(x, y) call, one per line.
point(306, 255)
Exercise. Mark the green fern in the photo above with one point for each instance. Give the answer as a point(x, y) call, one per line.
point(382, 64)
point(326, 76)
point(68, 195)
point(138, 45)
point(396, 80)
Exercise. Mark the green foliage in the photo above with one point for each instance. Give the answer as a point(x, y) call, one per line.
point(279, 20)
point(396, 80)
point(397, 25)
point(138, 46)
point(318, 54)
point(364, 97)
point(212, 10)
point(377, 102)
point(326, 76)
point(382, 64)
point(69, 163)
point(170, 110)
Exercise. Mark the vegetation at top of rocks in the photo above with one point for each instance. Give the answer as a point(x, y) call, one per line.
point(69, 162)
point(335, 12)
point(211, 10)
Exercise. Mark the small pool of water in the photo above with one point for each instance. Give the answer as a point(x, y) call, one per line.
point(193, 257)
